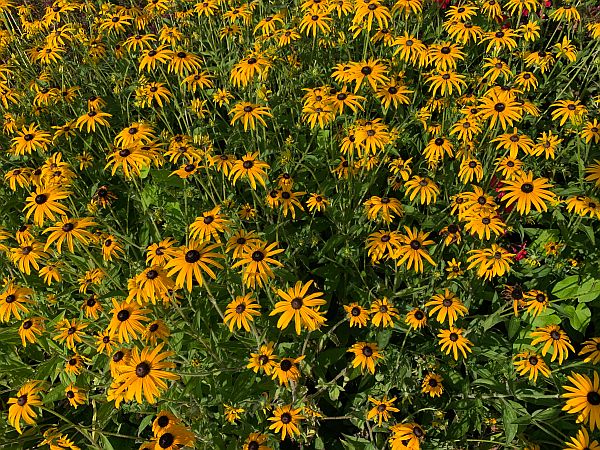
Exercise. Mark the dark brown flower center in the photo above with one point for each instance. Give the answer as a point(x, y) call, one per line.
point(166, 440)
point(192, 256)
point(593, 398)
point(453, 337)
point(367, 351)
point(123, 315)
point(527, 188)
point(555, 335)
point(258, 256)
point(296, 303)
point(22, 400)
point(41, 199)
point(142, 369)
point(286, 418)
point(533, 360)
point(285, 365)
point(499, 107)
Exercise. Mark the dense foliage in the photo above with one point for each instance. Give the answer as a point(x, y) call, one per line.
point(328, 224)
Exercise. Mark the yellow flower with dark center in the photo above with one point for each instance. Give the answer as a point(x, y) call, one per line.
point(286, 419)
point(21, 406)
point(239, 312)
point(249, 114)
point(446, 82)
point(232, 413)
point(30, 329)
point(138, 133)
point(484, 224)
point(446, 305)
point(105, 343)
point(582, 442)
point(583, 399)
point(570, 110)
point(531, 363)
point(264, 360)
point(27, 256)
point(424, 187)
point(382, 244)
point(317, 203)
point(382, 410)
point(452, 340)
point(156, 330)
point(432, 385)
point(20, 176)
point(154, 284)
point(251, 168)
point(567, 13)
point(504, 111)
point(111, 248)
point(174, 437)
point(126, 322)
point(301, 307)
point(161, 253)
point(410, 434)
point(591, 348)
point(74, 364)
point(75, 395)
point(527, 192)
point(13, 301)
point(383, 208)
point(412, 250)
point(591, 132)
point(444, 56)
point(416, 318)
point(152, 56)
point(71, 332)
point(115, 23)
point(91, 119)
point(144, 373)
point(192, 261)
point(209, 225)
point(91, 307)
point(256, 261)
point(30, 139)
point(256, 441)
point(241, 241)
point(286, 370)
point(490, 262)
point(315, 21)
point(454, 269)
point(509, 167)
point(69, 230)
point(383, 312)
point(163, 420)
point(289, 201)
point(372, 71)
point(357, 315)
point(43, 203)
point(536, 302)
point(501, 39)
point(366, 355)
point(183, 62)
point(552, 336)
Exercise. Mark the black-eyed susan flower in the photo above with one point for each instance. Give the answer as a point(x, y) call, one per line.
point(410, 434)
point(366, 355)
point(256, 261)
point(531, 363)
point(504, 111)
point(256, 441)
point(43, 203)
point(446, 304)
point(424, 187)
point(127, 320)
point(241, 311)
point(75, 395)
point(209, 225)
point(249, 114)
point(301, 307)
point(591, 348)
point(583, 399)
point(191, 261)
point(286, 420)
point(286, 370)
point(13, 301)
point(382, 409)
point(21, 406)
point(70, 332)
point(30, 329)
point(264, 360)
point(69, 230)
point(552, 336)
point(528, 192)
point(91, 119)
point(452, 340)
point(582, 442)
point(74, 364)
point(432, 384)
point(250, 168)
point(383, 312)
point(412, 250)
point(144, 374)
point(174, 437)
point(30, 139)
point(357, 315)
point(383, 208)
point(91, 307)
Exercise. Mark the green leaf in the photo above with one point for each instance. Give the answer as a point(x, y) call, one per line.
point(578, 317)
point(589, 290)
point(566, 288)
point(144, 423)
